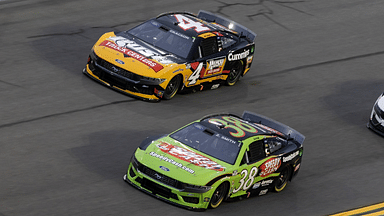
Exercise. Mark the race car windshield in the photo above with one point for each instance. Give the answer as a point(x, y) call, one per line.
point(164, 38)
point(209, 142)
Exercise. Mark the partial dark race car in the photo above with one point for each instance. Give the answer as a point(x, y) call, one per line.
point(176, 51)
point(216, 158)
point(376, 120)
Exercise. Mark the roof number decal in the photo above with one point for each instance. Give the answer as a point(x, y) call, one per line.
point(239, 127)
point(186, 23)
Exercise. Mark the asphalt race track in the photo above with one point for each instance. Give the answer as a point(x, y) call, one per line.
point(65, 140)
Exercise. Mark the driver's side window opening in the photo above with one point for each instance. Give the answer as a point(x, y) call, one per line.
point(226, 42)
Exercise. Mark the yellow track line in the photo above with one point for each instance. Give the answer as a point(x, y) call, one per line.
point(376, 213)
point(362, 210)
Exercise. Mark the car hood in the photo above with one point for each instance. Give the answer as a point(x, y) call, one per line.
point(176, 160)
point(134, 55)
point(380, 102)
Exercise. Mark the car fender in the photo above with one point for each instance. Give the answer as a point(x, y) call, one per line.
point(103, 38)
point(171, 71)
point(219, 181)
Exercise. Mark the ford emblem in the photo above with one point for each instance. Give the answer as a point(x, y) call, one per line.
point(119, 61)
point(164, 168)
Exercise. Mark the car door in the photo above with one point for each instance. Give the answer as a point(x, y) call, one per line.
point(255, 166)
point(210, 62)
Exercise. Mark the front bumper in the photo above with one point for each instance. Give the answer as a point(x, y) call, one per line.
point(121, 84)
point(377, 128)
point(162, 191)
point(376, 120)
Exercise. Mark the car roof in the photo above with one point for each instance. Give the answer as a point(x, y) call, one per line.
point(176, 21)
point(214, 122)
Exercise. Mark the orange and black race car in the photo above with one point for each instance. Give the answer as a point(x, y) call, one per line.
point(176, 51)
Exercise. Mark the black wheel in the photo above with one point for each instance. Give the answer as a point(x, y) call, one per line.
point(282, 180)
point(235, 73)
point(219, 195)
point(172, 88)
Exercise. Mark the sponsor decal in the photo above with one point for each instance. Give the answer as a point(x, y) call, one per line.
point(177, 70)
point(215, 86)
point(266, 182)
point(256, 185)
point(124, 42)
point(269, 166)
point(119, 61)
point(162, 59)
point(234, 57)
point(232, 185)
point(127, 52)
point(262, 183)
point(214, 66)
point(207, 199)
point(268, 129)
point(189, 156)
point(263, 192)
point(297, 167)
point(291, 156)
point(249, 59)
point(158, 93)
point(234, 173)
point(218, 34)
point(207, 35)
point(164, 168)
point(177, 164)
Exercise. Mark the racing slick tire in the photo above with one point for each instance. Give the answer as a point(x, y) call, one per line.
point(172, 87)
point(282, 180)
point(234, 73)
point(219, 195)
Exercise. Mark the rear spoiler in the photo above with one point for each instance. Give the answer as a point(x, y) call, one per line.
point(243, 31)
point(289, 132)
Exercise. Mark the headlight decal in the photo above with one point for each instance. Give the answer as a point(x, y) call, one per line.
point(195, 188)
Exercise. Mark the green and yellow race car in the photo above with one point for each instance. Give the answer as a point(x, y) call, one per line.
point(216, 158)
point(176, 51)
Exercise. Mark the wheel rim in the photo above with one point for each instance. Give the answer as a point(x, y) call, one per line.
point(282, 180)
point(172, 87)
point(218, 195)
point(234, 73)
